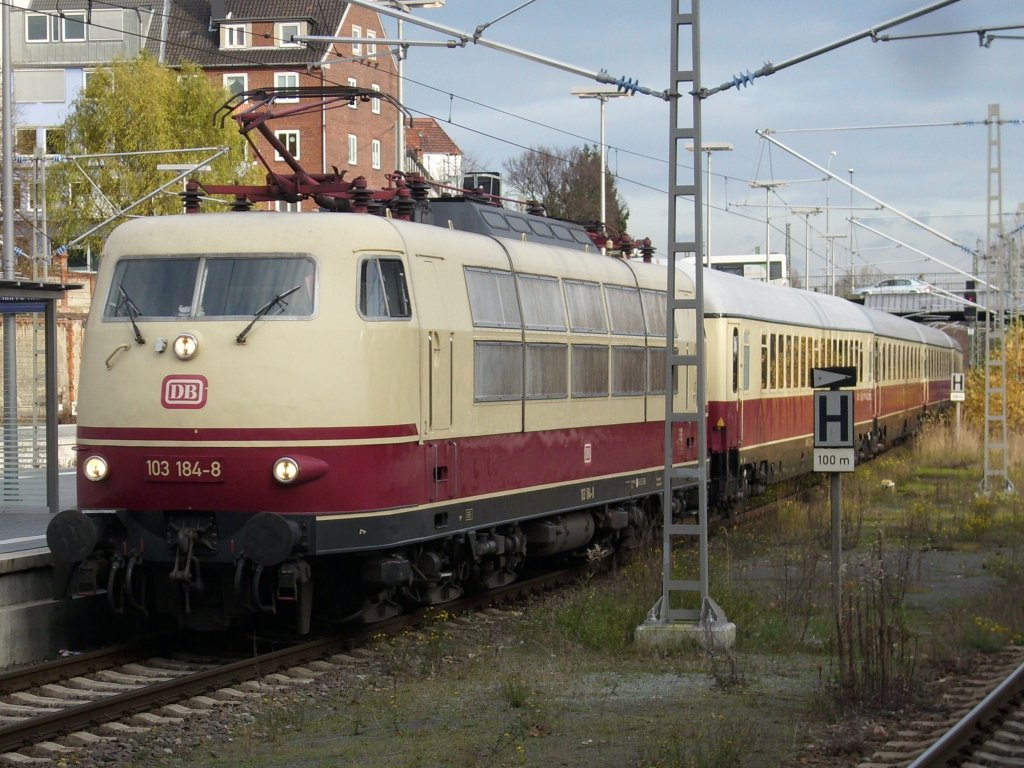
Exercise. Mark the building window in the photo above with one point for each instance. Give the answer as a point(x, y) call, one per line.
point(285, 207)
point(39, 85)
point(353, 149)
point(286, 80)
point(37, 28)
point(106, 25)
point(290, 140)
point(235, 84)
point(371, 48)
point(375, 154)
point(74, 26)
point(233, 36)
point(357, 48)
point(375, 101)
point(353, 83)
point(286, 32)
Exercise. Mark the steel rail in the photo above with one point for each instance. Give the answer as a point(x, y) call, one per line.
point(960, 736)
point(90, 714)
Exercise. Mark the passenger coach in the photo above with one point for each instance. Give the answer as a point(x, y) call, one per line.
point(760, 419)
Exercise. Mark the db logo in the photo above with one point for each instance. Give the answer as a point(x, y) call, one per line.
point(184, 392)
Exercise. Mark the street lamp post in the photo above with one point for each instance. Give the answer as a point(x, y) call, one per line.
point(807, 213)
point(828, 234)
point(853, 280)
point(707, 147)
point(602, 94)
point(403, 51)
point(768, 186)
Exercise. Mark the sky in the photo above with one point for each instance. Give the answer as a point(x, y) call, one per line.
point(905, 115)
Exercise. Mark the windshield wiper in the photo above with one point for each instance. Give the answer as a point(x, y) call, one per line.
point(279, 299)
point(133, 312)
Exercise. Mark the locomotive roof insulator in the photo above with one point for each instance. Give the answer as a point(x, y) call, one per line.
point(647, 250)
point(192, 197)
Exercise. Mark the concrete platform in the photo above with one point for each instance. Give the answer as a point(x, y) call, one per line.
point(34, 626)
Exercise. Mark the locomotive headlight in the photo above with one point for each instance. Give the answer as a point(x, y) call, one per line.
point(286, 470)
point(95, 468)
point(186, 345)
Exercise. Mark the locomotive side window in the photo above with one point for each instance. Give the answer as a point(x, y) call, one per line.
point(628, 370)
point(655, 311)
point(543, 307)
point(492, 298)
point(656, 372)
point(383, 293)
point(586, 307)
point(497, 370)
point(589, 370)
point(547, 374)
point(625, 311)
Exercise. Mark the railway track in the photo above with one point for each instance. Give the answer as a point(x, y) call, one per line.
point(52, 709)
point(981, 724)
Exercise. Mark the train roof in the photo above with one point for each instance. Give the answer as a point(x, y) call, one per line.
point(728, 295)
point(891, 326)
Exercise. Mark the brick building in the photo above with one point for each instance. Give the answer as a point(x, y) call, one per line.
point(249, 44)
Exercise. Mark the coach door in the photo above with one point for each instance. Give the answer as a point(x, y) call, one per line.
point(737, 373)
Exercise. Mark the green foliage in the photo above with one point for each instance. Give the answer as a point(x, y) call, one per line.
point(131, 107)
point(975, 384)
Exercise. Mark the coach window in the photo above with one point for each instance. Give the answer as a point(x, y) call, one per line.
point(773, 373)
point(586, 307)
point(764, 361)
point(543, 307)
point(492, 298)
point(382, 290)
point(746, 361)
point(624, 310)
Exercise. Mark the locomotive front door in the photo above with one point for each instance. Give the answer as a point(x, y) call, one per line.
point(438, 341)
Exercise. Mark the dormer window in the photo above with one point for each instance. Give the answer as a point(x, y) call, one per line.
point(234, 35)
point(288, 30)
point(66, 27)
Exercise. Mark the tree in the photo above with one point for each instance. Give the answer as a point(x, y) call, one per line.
point(131, 107)
point(567, 182)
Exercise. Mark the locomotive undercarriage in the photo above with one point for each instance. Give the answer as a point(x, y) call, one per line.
point(191, 571)
point(443, 570)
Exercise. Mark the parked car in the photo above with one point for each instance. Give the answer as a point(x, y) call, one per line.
point(895, 285)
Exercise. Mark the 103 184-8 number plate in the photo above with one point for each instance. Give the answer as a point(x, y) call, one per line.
point(184, 469)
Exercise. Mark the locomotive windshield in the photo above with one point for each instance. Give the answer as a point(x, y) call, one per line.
point(197, 287)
